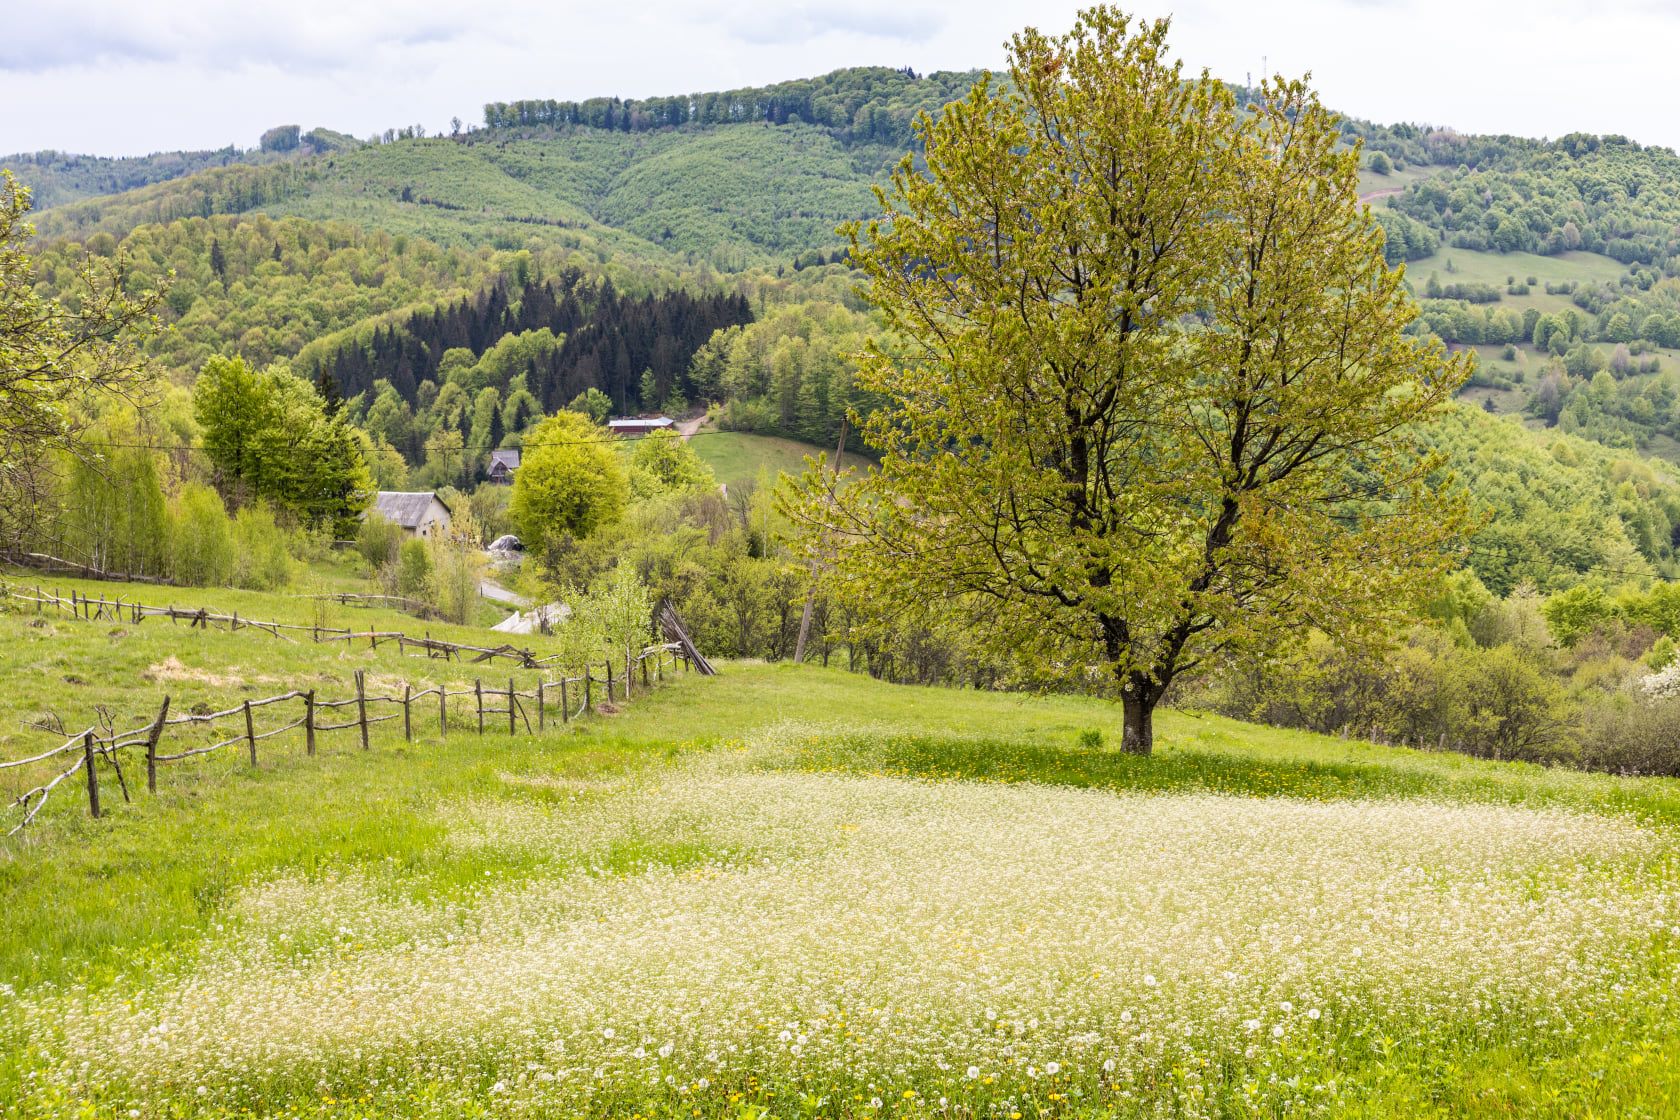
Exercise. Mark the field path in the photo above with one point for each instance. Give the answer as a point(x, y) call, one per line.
point(495, 592)
point(1372, 196)
point(687, 428)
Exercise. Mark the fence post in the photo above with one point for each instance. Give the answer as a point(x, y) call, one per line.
point(250, 733)
point(609, 681)
point(644, 671)
point(309, 721)
point(588, 688)
point(513, 706)
point(152, 738)
point(361, 706)
point(92, 773)
point(565, 704)
point(478, 691)
point(542, 721)
point(408, 733)
point(443, 711)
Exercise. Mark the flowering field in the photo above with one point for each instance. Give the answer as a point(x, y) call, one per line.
point(733, 934)
point(792, 892)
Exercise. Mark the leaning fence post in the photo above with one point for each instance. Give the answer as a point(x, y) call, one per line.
point(309, 721)
point(609, 681)
point(408, 733)
point(361, 706)
point(152, 738)
point(478, 691)
point(513, 707)
point(250, 733)
point(92, 772)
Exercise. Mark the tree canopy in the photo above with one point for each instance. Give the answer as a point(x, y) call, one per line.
point(56, 355)
point(269, 437)
point(570, 481)
point(1157, 406)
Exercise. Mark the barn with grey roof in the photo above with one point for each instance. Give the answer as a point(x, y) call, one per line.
point(422, 513)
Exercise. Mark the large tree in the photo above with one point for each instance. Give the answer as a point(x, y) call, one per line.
point(56, 356)
point(570, 482)
point(1157, 405)
point(270, 437)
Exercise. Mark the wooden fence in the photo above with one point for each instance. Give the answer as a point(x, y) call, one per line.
point(96, 608)
point(95, 745)
point(363, 599)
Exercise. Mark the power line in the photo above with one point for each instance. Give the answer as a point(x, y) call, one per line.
point(464, 448)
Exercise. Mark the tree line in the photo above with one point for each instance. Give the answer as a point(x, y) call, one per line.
point(601, 340)
point(868, 104)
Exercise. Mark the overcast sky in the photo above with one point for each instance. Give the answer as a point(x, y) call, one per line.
point(124, 77)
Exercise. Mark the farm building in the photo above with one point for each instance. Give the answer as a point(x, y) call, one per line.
point(502, 465)
point(421, 512)
point(639, 425)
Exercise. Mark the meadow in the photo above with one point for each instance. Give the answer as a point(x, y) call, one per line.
point(739, 457)
point(797, 892)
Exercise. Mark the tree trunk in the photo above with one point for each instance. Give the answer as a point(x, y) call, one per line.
point(1138, 708)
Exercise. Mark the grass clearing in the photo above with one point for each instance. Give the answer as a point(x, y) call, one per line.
point(1470, 266)
point(737, 457)
point(797, 892)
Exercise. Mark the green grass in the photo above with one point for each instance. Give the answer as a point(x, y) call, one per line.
point(1373, 187)
point(738, 457)
point(1469, 266)
point(135, 901)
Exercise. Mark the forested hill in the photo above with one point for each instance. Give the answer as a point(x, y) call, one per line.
point(397, 271)
point(57, 178)
point(859, 105)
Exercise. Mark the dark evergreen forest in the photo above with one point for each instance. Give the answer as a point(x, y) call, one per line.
point(606, 340)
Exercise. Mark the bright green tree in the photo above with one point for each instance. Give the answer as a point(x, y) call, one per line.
point(1157, 408)
point(569, 483)
point(200, 538)
point(269, 437)
point(592, 403)
point(665, 463)
point(57, 356)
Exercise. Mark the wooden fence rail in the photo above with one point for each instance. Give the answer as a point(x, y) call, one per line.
point(94, 745)
point(97, 608)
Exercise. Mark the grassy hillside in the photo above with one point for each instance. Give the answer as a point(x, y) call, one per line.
point(738, 457)
point(733, 196)
point(786, 885)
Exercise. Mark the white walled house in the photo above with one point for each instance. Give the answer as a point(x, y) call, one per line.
point(422, 513)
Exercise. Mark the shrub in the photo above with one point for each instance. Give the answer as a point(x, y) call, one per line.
point(262, 558)
point(1628, 734)
point(378, 540)
point(414, 570)
point(457, 566)
point(200, 538)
